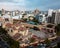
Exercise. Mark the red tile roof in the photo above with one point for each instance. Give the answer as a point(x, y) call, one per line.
point(16, 36)
point(22, 29)
point(14, 28)
point(9, 25)
point(17, 25)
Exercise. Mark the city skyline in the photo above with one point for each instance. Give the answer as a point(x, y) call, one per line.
point(29, 4)
point(29, 23)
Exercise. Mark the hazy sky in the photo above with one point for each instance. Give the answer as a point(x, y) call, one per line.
point(29, 4)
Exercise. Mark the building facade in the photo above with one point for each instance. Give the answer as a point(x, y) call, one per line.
point(54, 17)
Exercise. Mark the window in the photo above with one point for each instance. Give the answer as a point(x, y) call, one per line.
point(7, 29)
point(49, 26)
point(6, 19)
point(51, 31)
point(11, 30)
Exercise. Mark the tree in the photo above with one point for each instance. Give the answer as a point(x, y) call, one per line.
point(47, 41)
point(36, 28)
point(35, 20)
point(25, 19)
point(2, 31)
point(55, 47)
point(57, 29)
point(32, 40)
point(12, 43)
point(58, 45)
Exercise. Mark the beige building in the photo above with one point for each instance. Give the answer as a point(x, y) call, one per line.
point(57, 17)
point(16, 28)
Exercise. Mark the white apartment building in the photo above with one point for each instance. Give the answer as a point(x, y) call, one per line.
point(57, 17)
point(53, 16)
point(50, 12)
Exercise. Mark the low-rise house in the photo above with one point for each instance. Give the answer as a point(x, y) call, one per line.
point(16, 36)
point(16, 28)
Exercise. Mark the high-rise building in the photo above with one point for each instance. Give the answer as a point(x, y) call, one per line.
point(57, 17)
point(51, 16)
point(54, 17)
point(50, 12)
point(41, 18)
point(36, 12)
point(3, 12)
point(51, 19)
point(17, 12)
